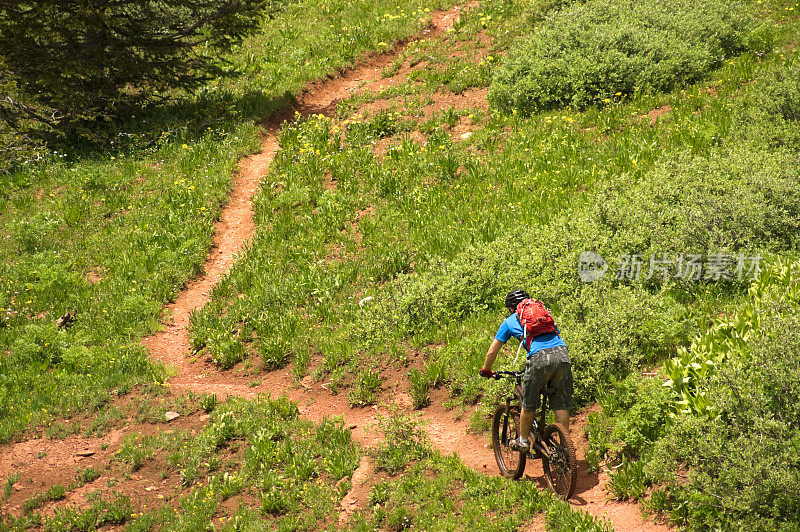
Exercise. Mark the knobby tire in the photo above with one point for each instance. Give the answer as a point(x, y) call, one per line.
point(560, 464)
point(511, 463)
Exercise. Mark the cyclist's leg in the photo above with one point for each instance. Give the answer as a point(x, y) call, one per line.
point(562, 418)
point(561, 379)
point(526, 420)
point(531, 385)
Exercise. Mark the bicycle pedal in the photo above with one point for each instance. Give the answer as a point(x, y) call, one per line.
point(515, 446)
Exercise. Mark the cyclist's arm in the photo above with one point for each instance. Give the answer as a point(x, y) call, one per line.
point(491, 355)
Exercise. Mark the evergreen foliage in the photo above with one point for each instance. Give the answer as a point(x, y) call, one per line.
point(65, 64)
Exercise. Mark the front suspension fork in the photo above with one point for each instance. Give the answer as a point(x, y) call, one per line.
point(504, 432)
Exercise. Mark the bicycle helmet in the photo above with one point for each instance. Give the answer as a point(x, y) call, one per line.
point(514, 298)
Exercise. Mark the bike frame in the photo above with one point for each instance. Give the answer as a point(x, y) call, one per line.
point(537, 442)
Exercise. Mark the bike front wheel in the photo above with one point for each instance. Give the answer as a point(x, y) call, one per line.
point(559, 462)
point(505, 428)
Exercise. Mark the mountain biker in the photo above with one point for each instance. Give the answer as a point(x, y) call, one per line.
point(548, 363)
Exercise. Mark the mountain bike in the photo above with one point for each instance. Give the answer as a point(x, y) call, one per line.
point(551, 443)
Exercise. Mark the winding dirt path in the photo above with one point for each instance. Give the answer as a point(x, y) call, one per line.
point(236, 228)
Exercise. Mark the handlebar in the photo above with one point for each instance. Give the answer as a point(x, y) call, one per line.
point(497, 375)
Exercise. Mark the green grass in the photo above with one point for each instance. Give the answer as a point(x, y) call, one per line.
point(365, 390)
point(435, 492)
point(285, 472)
point(54, 493)
point(442, 494)
point(597, 52)
point(8, 486)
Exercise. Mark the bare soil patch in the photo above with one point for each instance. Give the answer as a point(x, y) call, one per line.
point(656, 114)
point(356, 499)
point(43, 463)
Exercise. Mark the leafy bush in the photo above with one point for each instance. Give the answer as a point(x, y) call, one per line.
point(750, 471)
point(634, 415)
point(693, 371)
point(733, 199)
point(768, 113)
point(737, 429)
point(612, 332)
point(601, 50)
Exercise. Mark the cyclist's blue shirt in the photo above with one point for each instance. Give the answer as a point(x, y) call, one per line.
point(512, 327)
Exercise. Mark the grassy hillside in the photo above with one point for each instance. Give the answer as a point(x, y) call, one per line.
point(388, 233)
point(112, 237)
point(109, 238)
point(410, 252)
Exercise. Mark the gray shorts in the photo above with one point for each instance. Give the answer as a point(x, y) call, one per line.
point(548, 367)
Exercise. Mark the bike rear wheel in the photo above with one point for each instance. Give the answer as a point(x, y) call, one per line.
point(505, 427)
point(559, 462)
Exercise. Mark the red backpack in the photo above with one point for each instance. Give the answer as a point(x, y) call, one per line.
point(535, 320)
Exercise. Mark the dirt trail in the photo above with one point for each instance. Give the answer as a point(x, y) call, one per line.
point(232, 233)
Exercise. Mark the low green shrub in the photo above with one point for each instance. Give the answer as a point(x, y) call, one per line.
point(730, 199)
point(404, 441)
point(634, 415)
point(729, 457)
point(365, 390)
point(768, 112)
point(611, 332)
point(604, 50)
point(56, 492)
point(419, 388)
point(627, 480)
point(41, 344)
